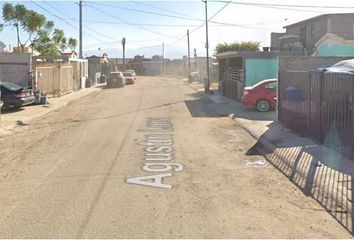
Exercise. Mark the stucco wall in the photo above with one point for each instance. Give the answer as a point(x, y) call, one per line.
point(260, 69)
point(15, 68)
point(342, 25)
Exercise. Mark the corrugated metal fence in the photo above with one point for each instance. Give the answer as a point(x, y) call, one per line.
point(319, 105)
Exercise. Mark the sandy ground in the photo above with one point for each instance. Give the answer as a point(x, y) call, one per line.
point(64, 175)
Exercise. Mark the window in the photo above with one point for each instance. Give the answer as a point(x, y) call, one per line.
point(271, 86)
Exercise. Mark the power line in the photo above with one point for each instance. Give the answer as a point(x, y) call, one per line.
point(283, 5)
point(146, 12)
point(75, 20)
point(208, 20)
point(182, 38)
point(60, 18)
point(291, 9)
point(144, 24)
point(186, 26)
point(115, 42)
point(53, 14)
point(195, 29)
point(214, 15)
point(128, 23)
point(162, 9)
point(275, 6)
point(174, 16)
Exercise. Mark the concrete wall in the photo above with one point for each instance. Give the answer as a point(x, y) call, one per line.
point(179, 68)
point(94, 66)
point(152, 68)
point(275, 41)
point(342, 25)
point(15, 68)
point(80, 73)
point(307, 63)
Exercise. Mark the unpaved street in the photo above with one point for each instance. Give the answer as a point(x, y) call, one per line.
point(65, 175)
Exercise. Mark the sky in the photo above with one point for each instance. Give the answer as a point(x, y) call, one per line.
point(157, 27)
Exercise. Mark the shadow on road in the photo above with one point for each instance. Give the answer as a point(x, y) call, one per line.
point(12, 110)
point(218, 106)
point(203, 107)
point(320, 173)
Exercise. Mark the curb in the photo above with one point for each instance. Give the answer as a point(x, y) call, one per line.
point(11, 127)
point(268, 146)
point(70, 101)
point(263, 141)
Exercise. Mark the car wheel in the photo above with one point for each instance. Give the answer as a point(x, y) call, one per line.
point(263, 105)
point(5, 107)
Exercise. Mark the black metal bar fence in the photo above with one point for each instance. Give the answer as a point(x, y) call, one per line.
point(319, 105)
point(232, 82)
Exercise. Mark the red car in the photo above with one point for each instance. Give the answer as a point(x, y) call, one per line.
point(263, 95)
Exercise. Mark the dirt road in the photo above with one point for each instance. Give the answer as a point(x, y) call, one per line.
point(150, 160)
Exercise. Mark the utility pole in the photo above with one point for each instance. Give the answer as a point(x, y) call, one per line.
point(206, 82)
point(80, 30)
point(189, 58)
point(99, 56)
point(123, 43)
point(163, 58)
point(1, 104)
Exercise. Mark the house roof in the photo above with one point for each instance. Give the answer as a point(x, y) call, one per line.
point(68, 53)
point(335, 38)
point(317, 17)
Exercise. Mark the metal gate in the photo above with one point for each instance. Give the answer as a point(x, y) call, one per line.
point(319, 105)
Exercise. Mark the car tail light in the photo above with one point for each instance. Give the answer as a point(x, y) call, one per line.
point(21, 94)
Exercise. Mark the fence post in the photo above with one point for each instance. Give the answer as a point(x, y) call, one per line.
point(321, 105)
point(278, 96)
point(310, 101)
point(59, 87)
point(352, 120)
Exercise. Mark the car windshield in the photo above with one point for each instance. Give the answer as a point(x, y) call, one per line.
point(11, 86)
point(127, 74)
point(118, 74)
point(261, 83)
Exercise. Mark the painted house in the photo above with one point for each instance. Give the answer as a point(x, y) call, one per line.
point(71, 55)
point(305, 34)
point(246, 68)
point(333, 45)
point(80, 72)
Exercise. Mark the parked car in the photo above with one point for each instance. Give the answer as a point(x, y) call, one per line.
point(133, 72)
point(129, 77)
point(116, 79)
point(262, 95)
point(13, 95)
